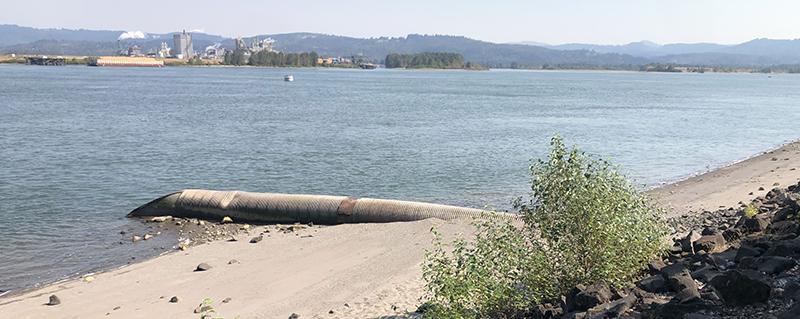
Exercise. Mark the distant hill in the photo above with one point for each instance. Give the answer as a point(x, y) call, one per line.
point(755, 53)
point(758, 52)
point(15, 35)
point(485, 53)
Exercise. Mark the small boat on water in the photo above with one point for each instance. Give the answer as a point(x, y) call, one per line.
point(368, 66)
point(288, 78)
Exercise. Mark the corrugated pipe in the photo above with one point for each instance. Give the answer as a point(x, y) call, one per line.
point(289, 208)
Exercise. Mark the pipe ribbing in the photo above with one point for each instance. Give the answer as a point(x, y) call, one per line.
point(290, 208)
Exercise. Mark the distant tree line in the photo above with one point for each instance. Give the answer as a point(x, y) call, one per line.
point(433, 60)
point(265, 58)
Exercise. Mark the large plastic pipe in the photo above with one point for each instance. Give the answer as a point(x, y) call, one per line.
point(288, 208)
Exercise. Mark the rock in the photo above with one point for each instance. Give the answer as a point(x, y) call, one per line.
point(705, 274)
point(655, 266)
point(731, 234)
point(575, 315)
point(686, 288)
point(256, 239)
point(547, 311)
point(687, 241)
point(53, 301)
point(741, 288)
point(785, 213)
point(673, 269)
point(612, 309)
point(786, 248)
point(294, 316)
point(755, 224)
point(147, 236)
point(710, 243)
point(136, 238)
point(174, 299)
point(233, 261)
point(160, 219)
point(791, 313)
point(654, 284)
point(676, 249)
point(784, 227)
point(676, 310)
point(226, 220)
point(203, 267)
point(775, 264)
point(747, 251)
point(226, 300)
point(697, 316)
point(581, 298)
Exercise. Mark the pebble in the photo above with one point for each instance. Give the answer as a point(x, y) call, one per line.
point(294, 316)
point(160, 219)
point(136, 238)
point(226, 220)
point(233, 261)
point(256, 239)
point(174, 299)
point(203, 267)
point(226, 300)
point(147, 236)
point(54, 301)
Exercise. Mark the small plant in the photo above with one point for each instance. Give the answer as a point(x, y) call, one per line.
point(584, 223)
point(494, 276)
point(750, 211)
point(206, 309)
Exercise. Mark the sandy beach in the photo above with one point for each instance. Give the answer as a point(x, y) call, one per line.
point(730, 185)
point(345, 271)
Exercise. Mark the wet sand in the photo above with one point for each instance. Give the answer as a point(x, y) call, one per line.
point(344, 271)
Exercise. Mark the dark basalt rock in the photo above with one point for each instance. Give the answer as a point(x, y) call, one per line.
point(739, 288)
point(654, 267)
point(547, 311)
point(775, 264)
point(612, 309)
point(747, 251)
point(786, 248)
point(791, 313)
point(654, 284)
point(675, 309)
point(784, 227)
point(582, 298)
point(710, 243)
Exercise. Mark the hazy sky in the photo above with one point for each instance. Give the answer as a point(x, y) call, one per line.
point(597, 21)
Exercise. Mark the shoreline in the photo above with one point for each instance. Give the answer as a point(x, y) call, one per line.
point(732, 184)
point(336, 265)
point(169, 64)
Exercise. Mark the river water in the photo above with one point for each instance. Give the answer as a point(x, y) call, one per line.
point(80, 147)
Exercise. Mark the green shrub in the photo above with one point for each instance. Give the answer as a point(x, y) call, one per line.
point(584, 223)
point(494, 276)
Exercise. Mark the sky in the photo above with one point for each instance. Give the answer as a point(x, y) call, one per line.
point(554, 22)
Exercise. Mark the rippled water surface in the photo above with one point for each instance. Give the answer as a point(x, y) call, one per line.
point(80, 147)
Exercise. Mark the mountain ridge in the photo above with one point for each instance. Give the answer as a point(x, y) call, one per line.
point(755, 53)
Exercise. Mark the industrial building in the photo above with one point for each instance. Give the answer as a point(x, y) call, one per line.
point(182, 45)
